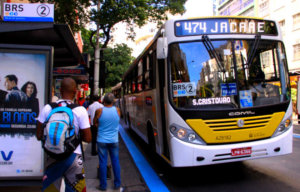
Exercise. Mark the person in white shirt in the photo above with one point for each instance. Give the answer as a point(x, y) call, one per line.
point(71, 168)
point(91, 111)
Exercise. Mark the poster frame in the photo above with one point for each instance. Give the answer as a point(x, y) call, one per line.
point(48, 51)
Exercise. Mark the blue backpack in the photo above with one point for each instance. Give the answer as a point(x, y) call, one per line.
point(60, 139)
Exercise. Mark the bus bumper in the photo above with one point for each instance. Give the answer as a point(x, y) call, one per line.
point(184, 154)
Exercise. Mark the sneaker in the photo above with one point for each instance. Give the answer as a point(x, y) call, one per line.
point(121, 189)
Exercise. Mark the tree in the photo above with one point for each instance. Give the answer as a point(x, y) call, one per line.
point(133, 12)
point(71, 12)
point(86, 35)
point(118, 59)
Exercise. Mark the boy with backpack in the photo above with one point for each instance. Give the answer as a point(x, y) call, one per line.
point(61, 128)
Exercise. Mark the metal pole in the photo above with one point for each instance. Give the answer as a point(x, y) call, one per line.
point(97, 58)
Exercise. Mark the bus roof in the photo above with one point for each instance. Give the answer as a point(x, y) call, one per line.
point(180, 31)
point(216, 17)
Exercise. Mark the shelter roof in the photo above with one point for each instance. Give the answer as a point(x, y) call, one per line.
point(66, 51)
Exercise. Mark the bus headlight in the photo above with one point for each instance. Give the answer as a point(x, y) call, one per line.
point(283, 126)
point(186, 135)
point(181, 133)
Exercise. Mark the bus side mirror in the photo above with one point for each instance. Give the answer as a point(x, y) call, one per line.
point(162, 48)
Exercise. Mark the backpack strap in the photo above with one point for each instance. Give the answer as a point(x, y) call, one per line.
point(68, 110)
point(70, 106)
point(53, 105)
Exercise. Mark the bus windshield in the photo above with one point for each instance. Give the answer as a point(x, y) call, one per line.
point(226, 74)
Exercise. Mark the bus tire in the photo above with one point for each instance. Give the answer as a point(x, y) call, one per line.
point(151, 139)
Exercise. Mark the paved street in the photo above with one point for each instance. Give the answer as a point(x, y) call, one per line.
point(297, 129)
point(132, 181)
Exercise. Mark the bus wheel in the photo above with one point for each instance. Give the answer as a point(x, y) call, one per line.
point(151, 140)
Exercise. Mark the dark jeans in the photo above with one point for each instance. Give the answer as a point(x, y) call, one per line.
point(113, 150)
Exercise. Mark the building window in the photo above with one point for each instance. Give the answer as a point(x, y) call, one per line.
point(282, 26)
point(277, 4)
point(297, 52)
point(263, 9)
point(296, 21)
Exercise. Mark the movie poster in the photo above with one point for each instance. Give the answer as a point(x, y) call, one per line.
point(22, 95)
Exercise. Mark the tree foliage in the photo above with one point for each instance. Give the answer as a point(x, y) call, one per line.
point(117, 61)
point(71, 12)
point(86, 38)
point(132, 12)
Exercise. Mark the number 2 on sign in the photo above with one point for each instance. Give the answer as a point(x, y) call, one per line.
point(193, 26)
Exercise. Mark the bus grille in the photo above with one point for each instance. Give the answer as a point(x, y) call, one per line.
point(231, 130)
point(232, 124)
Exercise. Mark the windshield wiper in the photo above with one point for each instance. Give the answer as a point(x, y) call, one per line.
point(212, 51)
point(251, 54)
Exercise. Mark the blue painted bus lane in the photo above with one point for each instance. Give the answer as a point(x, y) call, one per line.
point(152, 180)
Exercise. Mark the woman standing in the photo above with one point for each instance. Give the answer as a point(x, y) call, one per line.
point(29, 88)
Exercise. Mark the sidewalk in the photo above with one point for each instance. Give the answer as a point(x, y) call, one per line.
point(296, 128)
point(131, 179)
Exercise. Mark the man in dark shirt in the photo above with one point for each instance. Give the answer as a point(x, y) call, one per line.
point(16, 97)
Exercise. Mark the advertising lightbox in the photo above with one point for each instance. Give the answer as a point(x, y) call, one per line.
point(25, 79)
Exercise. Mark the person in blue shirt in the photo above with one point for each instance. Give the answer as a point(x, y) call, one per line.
point(107, 121)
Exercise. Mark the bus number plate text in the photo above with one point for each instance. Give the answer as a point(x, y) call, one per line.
point(241, 151)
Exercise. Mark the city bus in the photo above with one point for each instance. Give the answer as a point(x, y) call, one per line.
point(116, 90)
point(211, 90)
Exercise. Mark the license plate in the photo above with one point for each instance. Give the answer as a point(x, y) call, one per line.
point(241, 151)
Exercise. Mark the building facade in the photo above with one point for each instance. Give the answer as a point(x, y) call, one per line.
point(286, 13)
point(237, 7)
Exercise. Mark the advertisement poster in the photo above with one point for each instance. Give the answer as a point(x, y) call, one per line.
point(22, 95)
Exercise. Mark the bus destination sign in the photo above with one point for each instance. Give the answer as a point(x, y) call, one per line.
point(225, 26)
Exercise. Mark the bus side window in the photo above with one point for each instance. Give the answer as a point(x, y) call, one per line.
point(153, 67)
point(147, 77)
point(129, 86)
point(140, 76)
point(134, 80)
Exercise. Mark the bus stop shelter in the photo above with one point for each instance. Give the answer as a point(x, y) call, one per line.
point(20, 143)
point(66, 52)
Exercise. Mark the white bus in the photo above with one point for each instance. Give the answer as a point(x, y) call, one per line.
point(116, 90)
point(212, 90)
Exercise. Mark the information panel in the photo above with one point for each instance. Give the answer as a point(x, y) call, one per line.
point(32, 12)
point(23, 88)
point(225, 26)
